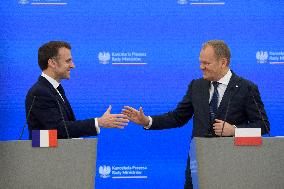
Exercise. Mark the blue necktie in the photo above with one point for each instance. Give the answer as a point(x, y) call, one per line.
point(213, 105)
point(62, 92)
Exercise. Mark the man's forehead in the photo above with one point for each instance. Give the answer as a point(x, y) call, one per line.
point(208, 51)
point(207, 48)
point(64, 52)
point(63, 49)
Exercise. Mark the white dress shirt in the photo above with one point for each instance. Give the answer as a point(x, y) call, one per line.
point(223, 83)
point(53, 82)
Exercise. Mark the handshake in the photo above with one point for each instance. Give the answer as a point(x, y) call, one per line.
point(137, 116)
point(128, 113)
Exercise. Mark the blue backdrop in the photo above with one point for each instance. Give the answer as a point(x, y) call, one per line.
point(149, 53)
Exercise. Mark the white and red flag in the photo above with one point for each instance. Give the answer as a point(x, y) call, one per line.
point(248, 137)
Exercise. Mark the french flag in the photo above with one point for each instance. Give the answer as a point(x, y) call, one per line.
point(248, 137)
point(44, 138)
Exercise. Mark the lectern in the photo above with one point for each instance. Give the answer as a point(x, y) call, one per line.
point(216, 163)
point(71, 165)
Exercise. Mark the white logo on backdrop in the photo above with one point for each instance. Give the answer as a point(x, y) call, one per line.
point(122, 58)
point(23, 2)
point(104, 171)
point(104, 57)
point(120, 172)
point(206, 2)
point(182, 2)
point(193, 166)
point(261, 57)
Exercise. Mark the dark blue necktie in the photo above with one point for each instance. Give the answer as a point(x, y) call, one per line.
point(62, 92)
point(213, 105)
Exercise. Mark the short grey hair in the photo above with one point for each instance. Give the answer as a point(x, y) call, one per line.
point(221, 49)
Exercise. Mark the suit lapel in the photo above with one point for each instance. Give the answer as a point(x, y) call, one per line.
point(205, 99)
point(69, 108)
point(230, 91)
point(64, 105)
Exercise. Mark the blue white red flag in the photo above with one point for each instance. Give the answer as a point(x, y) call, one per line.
point(44, 138)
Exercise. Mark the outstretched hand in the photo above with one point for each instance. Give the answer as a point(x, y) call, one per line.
point(136, 116)
point(109, 120)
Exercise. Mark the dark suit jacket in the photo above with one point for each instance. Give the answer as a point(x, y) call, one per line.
point(242, 111)
point(45, 113)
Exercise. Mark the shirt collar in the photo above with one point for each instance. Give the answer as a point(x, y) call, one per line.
point(225, 80)
point(52, 81)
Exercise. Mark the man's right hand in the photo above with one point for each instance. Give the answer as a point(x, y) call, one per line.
point(109, 120)
point(136, 116)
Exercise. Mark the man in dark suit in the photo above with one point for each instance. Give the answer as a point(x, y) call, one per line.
point(47, 106)
point(209, 99)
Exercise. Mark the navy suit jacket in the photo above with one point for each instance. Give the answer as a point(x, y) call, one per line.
point(242, 111)
point(49, 111)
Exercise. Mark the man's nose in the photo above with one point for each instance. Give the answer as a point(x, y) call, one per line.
point(72, 65)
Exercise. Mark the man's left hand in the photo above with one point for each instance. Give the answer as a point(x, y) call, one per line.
point(229, 130)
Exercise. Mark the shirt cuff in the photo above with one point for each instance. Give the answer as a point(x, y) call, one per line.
point(150, 123)
point(97, 126)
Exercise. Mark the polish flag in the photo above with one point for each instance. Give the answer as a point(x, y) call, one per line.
point(44, 138)
point(248, 137)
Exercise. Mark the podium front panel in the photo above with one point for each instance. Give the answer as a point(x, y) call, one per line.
point(71, 165)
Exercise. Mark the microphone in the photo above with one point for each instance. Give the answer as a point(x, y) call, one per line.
point(27, 118)
point(258, 109)
point(227, 109)
point(63, 119)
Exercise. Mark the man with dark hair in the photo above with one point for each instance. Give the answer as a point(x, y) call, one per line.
point(208, 100)
point(47, 106)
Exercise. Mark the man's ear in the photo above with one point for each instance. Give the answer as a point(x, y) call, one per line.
point(224, 62)
point(51, 63)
